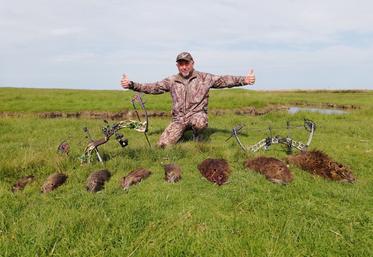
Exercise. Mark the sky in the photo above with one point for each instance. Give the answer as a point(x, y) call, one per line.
point(89, 44)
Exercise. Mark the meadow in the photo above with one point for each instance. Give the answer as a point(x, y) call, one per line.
point(248, 216)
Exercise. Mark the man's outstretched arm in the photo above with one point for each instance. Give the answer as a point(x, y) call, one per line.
point(147, 88)
point(233, 81)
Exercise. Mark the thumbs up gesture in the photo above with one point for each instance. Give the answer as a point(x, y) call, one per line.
point(125, 82)
point(250, 77)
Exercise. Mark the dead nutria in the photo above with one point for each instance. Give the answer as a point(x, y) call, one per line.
point(53, 181)
point(273, 169)
point(97, 179)
point(172, 173)
point(318, 163)
point(63, 148)
point(134, 177)
point(22, 183)
point(215, 170)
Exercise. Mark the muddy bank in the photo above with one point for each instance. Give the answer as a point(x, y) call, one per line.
point(329, 105)
point(260, 111)
point(85, 114)
point(100, 115)
point(130, 114)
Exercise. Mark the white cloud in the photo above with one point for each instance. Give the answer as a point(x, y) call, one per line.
point(66, 31)
point(75, 57)
point(287, 42)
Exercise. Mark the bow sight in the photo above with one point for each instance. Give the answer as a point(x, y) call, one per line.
point(288, 141)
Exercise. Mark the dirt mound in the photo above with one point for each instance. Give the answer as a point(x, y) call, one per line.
point(273, 169)
point(53, 181)
point(134, 177)
point(97, 179)
point(172, 173)
point(22, 183)
point(215, 170)
point(318, 163)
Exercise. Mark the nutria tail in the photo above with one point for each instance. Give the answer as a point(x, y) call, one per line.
point(215, 170)
point(22, 183)
point(53, 181)
point(134, 177)
point(172, 173)
point(97, 179)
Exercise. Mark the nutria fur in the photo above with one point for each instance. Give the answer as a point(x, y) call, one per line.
point(273, 169)
point(172, 173)
point(53, 181)
point(318, 163)
point(97, 179)
point(63, 148)
point(134, 177)
point(22, 183)
point(215, 170)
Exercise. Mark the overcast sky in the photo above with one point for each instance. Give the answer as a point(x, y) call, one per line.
point(291, 44)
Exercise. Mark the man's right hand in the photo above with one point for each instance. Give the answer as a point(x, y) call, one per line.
point(125, 83)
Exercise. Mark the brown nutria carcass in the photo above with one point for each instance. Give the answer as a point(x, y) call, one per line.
point(53, 181)
point(215, 170)
point(63, 148)
point(22, 183)
point(97, 179)
point(134, 177)
point(318, 163)
point(172, 173)
point(273, 169)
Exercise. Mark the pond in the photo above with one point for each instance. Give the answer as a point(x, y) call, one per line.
point(293, 110)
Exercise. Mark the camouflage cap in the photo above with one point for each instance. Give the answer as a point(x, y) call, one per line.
point(184, 56)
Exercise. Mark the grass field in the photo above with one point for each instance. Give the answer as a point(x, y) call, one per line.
point(248, 216)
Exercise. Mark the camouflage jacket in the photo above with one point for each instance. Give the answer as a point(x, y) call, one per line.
point(189, 95)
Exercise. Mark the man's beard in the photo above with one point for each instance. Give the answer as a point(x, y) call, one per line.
point(186, 74)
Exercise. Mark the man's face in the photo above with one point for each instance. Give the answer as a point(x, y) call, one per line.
point(185, 67)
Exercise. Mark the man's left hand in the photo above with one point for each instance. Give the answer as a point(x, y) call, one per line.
point(250, 78)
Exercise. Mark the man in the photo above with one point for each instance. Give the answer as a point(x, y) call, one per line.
point(189, 91)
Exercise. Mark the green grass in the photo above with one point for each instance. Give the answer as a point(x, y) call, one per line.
point(249, 216)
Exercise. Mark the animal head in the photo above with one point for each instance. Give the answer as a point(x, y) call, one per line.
point(341, 173)
point(172, 173)
point(93, 186)
point(48, 187)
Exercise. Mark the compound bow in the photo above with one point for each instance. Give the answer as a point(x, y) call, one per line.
point(290, 143)
point(110, 130)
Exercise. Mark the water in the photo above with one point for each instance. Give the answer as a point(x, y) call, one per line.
point(293, 110)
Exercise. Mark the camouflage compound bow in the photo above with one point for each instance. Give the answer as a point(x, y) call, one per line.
point(110, 130)
point(265, 143)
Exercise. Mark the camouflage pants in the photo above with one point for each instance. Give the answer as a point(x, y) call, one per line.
point(198, 122)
